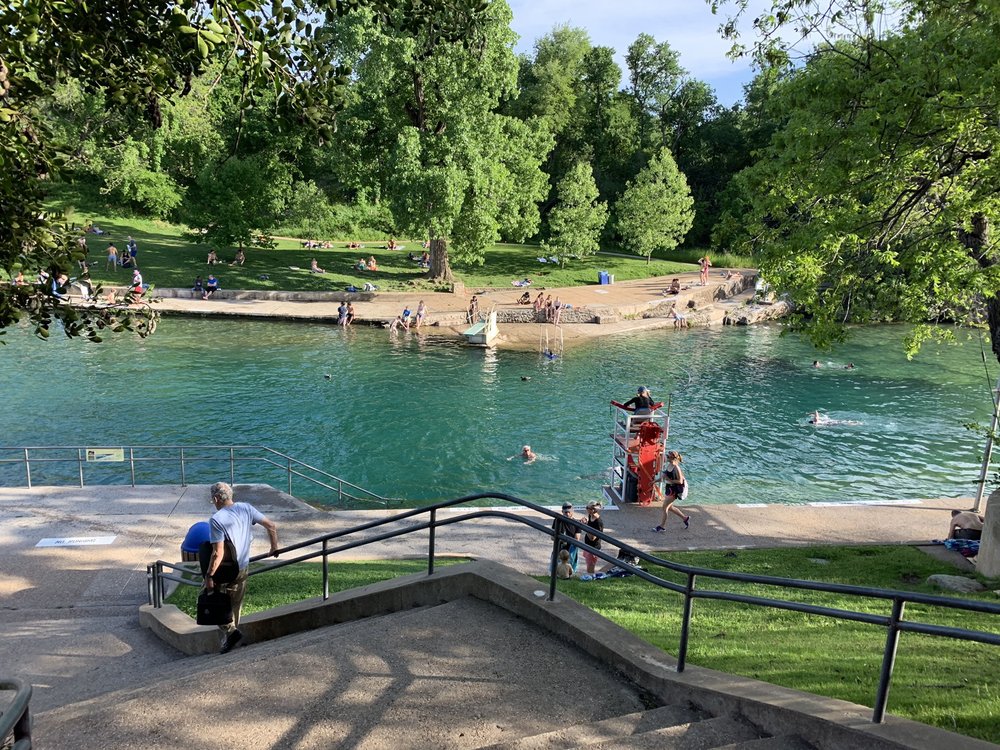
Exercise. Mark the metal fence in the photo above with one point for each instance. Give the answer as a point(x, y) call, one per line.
point(894, 622)
point(168, 464)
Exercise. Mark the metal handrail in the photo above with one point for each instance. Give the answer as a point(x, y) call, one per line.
point(182, 456)
point(15, 719)
point(894, 622)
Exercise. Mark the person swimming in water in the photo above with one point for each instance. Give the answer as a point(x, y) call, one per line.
point(528, 455)
point(821, 420)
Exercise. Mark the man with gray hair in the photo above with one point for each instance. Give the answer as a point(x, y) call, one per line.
point(234, 521)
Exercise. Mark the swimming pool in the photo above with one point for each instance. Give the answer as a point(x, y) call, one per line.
point(423, 418)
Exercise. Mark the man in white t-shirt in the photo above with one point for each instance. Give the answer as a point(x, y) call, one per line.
point(234, 521)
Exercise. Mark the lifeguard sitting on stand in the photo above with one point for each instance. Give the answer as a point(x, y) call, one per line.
point(638, 448)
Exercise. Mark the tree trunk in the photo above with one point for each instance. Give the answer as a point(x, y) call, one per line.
point(993, 315)
point(440, 267)
point(977, 241)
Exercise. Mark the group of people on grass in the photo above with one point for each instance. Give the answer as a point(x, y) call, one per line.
point(214, 259)
point(127, 258)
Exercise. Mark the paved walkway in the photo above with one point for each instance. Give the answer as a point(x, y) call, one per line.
point(68, 612)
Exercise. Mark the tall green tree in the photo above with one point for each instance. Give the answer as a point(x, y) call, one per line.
point(457, 171)
point(656, 210)
point(238, 201)
point(578, 217)
point(142, 54)
point(876, 198)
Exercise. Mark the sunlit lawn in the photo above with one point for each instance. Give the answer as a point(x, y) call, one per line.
point(938, 681)
point(168, 259)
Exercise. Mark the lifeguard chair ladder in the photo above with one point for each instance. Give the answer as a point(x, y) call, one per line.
point(628, 459)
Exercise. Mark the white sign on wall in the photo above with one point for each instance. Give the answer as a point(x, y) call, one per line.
point(75, 541)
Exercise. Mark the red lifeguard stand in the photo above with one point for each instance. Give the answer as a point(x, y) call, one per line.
point(638, 442)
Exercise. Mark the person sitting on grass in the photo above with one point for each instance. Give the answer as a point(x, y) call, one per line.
point(213, 257)
point(372, 264)
point(361, 265)
point(240, 258)
point(211, 286)
point(314, 267)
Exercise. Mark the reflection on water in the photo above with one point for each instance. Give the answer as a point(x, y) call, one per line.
point(414, 416)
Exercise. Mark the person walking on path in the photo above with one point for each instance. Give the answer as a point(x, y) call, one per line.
point(234, 521)
point(593, 521)
point(676, 488)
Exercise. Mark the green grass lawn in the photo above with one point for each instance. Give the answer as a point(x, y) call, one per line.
point(937, 681)
point(168, 259)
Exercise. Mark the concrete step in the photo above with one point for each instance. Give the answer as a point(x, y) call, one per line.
point(616, 727)
point(784, 742)
point(698, 735)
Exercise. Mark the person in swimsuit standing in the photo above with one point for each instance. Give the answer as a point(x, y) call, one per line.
point(676, 488)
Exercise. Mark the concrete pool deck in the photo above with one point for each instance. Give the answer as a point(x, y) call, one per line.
point(623, 302)
point(69, 611)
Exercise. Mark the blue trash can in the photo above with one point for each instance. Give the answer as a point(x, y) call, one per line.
point(602, 277)
point(198, 533)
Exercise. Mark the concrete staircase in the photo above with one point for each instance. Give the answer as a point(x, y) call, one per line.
point(458, 675)
point(663, 728)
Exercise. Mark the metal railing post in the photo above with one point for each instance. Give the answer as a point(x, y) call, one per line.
point(430, 550)
point(682, 648)
point(232, 466)
point(79, 461)
point(326, 571)
point(340, 490)
point(552, 567)
point(22, 729)
point(288, 469)
point(888, 660)
point(155, 585)
point(183, 474)
point(131, 463)
point(149, 584)
point(27, 467)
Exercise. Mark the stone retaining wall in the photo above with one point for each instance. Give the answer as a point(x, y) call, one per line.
point(276, 296)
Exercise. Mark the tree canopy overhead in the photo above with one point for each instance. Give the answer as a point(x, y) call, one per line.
point(876, 197)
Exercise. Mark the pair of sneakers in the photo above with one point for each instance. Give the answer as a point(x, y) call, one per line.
point(687, 525)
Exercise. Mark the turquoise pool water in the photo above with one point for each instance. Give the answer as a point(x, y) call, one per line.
point(422, 418)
